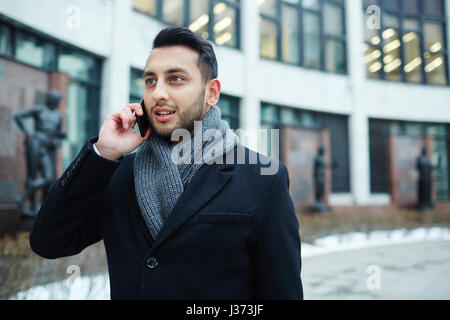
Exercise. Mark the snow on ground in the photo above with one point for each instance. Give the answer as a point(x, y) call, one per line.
point(96, 287)
point(361, 240)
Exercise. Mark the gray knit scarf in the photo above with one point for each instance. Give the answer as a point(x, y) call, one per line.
point(162, 169)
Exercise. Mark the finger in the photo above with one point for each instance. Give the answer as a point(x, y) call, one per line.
point(116, 118)
point(125, 118)
point(134, 106)
point(137, 108)
point(131, 116)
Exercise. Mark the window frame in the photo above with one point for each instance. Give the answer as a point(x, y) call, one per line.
point(380, 141)
point(320, 122)
point(58, 47)
point(134, 71)
point(12, 40)
point(186, 18)
point(323, 37)
point(421, 18)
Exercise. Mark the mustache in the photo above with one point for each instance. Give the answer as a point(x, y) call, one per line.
point(175, 108)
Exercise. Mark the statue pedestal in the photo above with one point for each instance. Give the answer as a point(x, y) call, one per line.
point(425, 207)
point(10, 218)
point(321, 207)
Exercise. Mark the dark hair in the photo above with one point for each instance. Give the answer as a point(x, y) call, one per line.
point(176, 35)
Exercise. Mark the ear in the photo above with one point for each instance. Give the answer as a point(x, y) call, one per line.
point(213, 94)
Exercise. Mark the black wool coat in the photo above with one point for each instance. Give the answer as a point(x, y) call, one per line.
point(233, 233)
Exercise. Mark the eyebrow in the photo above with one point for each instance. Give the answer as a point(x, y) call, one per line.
point(170, 71)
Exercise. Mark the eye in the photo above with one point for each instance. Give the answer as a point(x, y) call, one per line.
point(176, 79)
point(149, 82)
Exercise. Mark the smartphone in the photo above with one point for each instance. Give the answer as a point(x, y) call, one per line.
point(143, 121)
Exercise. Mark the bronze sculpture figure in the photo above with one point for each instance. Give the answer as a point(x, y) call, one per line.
point(41, 147)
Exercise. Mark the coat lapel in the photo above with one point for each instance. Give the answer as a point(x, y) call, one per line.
point(205, 184)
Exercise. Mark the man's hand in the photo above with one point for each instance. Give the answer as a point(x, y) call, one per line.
point(117, 136)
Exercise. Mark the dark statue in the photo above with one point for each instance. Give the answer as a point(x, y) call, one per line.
point(320, 166)
point(424, 187)
point(41, 147)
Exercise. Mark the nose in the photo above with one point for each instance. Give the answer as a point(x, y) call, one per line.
point(160, 94)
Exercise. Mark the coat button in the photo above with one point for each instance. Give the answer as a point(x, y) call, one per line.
point(152, 262)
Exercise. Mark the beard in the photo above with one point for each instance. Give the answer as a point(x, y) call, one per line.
point(185, 118)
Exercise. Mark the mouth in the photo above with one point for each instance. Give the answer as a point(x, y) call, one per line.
point(164, 114)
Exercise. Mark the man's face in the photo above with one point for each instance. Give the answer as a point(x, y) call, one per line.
point(174, 89)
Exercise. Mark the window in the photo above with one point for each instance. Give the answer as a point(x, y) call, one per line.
point(229, 106)
point(410, 46)
point(6, 40)
point(290, 34)
point(270, 119)
point(379, 131)
point(137, 85)
point(312, 47)
point(434, 54)
point(337, 126)
point(199, 18)
point(378, 155)
point(275, 117)
point(82, 117)
point(146, 6)
point(225, 24)
point(334, 45)
point(268, 39)
point(434, 7)
point(83, 98)
point(35, 51)
point(214, 20)
point(308, 33)
point(78, 65)
point(172, 11)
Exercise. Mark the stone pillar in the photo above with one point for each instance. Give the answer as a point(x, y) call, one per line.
point(285, 136)
point(447, 12)
point(428, 142)
point(116, 68)
point(358, 121)
point(325, 142)
point(250, 109)
point(392, 171)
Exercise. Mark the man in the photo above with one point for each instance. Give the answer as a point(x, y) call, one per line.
point(215, 230)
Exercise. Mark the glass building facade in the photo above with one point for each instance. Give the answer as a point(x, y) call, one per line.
point(313, 40)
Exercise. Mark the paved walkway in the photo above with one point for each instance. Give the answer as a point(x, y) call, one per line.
point(404, 271)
